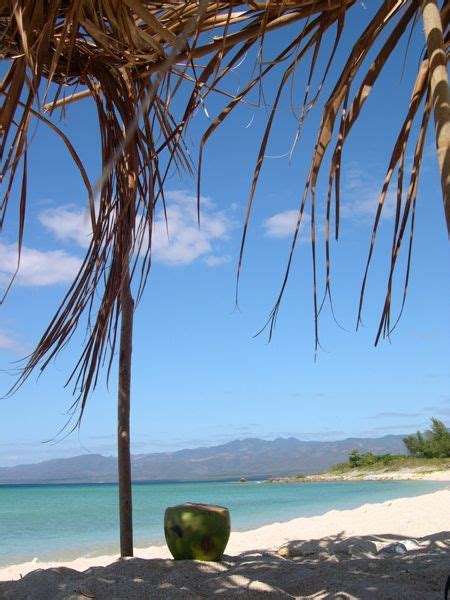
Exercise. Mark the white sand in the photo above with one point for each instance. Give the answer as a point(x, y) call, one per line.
point(405, 517)
point(407, 474)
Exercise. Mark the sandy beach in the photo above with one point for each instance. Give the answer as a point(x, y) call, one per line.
point(316, 546)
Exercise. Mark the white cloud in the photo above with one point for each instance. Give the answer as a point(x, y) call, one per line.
point(361, 193)
point(214, 261)
point(359, 198)
point(10, 343)
point(37, 268)
point(356, 205)
point(182, 241)
point(282, 225)
point(362, 205)
point(67, 223)
point(179, 242)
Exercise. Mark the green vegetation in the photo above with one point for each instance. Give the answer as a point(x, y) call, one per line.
point(396, 463)
point(434, 443)
point(370, 461)
point(357, 460)
point(431, 448)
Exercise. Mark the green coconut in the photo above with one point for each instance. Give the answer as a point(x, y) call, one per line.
point(197, 531)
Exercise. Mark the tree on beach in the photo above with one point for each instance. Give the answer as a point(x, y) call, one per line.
point(132, 59)
point(434, 443)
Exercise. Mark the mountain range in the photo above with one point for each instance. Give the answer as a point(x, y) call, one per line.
point(250, 458)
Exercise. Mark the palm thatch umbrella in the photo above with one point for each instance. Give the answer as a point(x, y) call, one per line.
point(132, 58)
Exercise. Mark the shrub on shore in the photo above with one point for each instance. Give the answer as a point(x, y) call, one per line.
point(430, 447)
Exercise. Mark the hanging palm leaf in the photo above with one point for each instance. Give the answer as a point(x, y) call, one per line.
point(133, 59)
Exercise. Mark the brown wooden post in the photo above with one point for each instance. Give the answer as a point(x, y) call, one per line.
point(123, 424)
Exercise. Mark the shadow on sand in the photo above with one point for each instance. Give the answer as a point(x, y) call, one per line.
point(331, 574)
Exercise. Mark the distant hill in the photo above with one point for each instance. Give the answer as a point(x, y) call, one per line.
point(250, 458)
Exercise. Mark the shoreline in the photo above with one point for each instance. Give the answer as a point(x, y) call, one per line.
point(403, 517)
point(406, 474)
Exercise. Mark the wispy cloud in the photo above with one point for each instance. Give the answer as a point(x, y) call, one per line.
point(282, 225)
point(214, 261)
point(329, 435)
point(10, 343)
point(360, 195)
point(37, 268)
point(396, 415)
point(68, 223)
point(180, 241)
point(439, 410)
point(398, 428)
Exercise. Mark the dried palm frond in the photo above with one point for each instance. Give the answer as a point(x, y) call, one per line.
point(133, 59)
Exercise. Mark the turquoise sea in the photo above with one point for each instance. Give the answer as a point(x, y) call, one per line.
point(55, 522)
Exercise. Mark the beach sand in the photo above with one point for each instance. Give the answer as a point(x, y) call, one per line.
point(339, 562)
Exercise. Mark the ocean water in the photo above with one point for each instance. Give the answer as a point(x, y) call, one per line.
point(60, 522)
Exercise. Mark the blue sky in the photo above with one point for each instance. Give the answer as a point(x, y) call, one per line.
point(200, 376)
